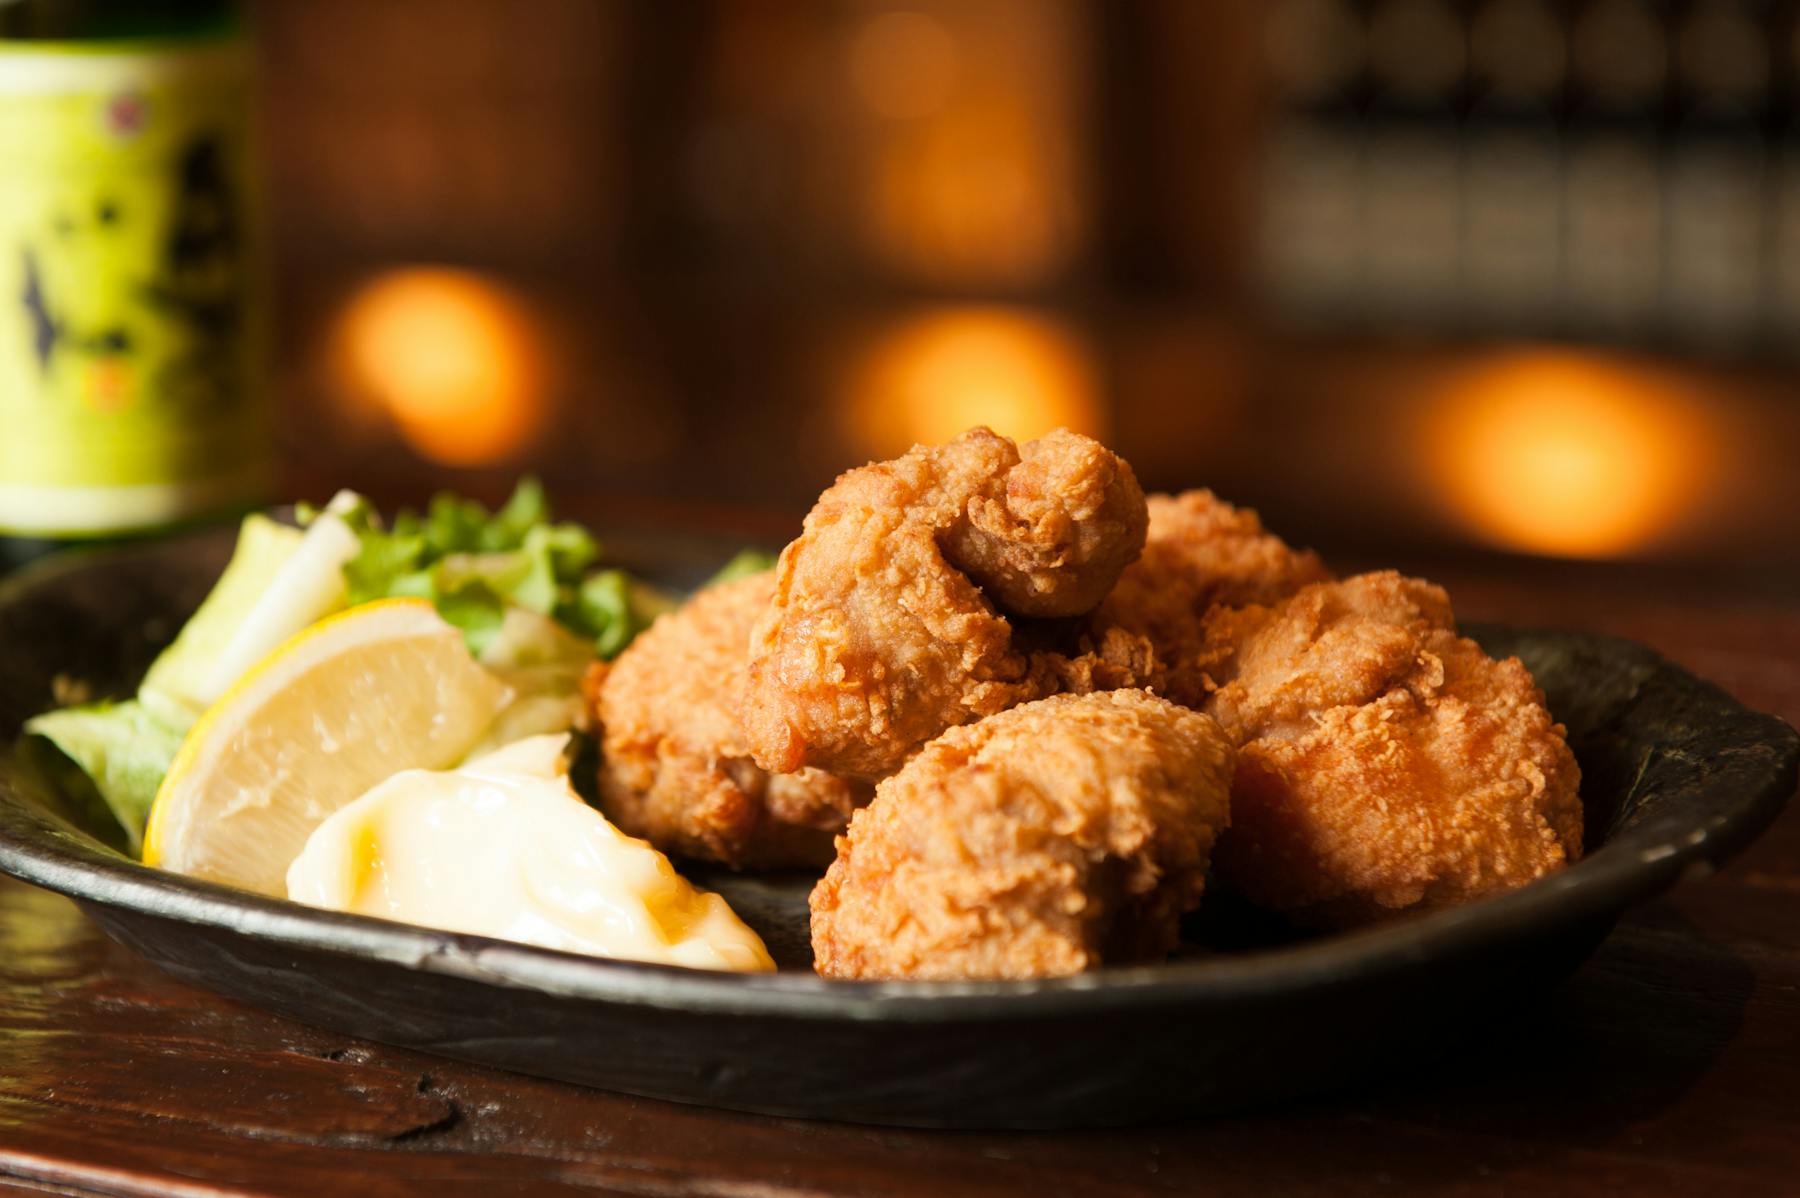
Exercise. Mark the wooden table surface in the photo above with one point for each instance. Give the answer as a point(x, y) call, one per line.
point(1669, 1064)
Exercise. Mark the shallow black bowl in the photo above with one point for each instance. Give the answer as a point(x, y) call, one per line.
point(1677, 777)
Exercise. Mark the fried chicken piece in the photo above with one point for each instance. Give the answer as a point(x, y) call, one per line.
point(674, 766)
point(887, 624)
point(1050, 839)
point(1053, 542)
point(1200, 552)
point(1385, 764)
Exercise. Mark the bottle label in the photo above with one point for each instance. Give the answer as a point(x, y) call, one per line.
point(128, 341)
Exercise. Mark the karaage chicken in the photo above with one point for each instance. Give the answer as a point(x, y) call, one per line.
point(675, 769)
point(1047, 840)
point(1385, 763)
point(1053, 539)
point(1200, 552)
point(888, 623)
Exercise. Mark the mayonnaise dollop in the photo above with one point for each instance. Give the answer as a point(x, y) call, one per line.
point(504, 847)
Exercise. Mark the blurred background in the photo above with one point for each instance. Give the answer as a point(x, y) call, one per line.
point(1420, 279)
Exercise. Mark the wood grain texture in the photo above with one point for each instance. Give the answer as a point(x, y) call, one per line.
point(1670, 1064)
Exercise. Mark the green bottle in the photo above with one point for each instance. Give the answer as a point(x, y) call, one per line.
point(129, 323)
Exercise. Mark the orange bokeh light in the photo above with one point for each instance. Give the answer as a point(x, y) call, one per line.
point(965, 128)
point(980, 196)
point(934, 376)
point(452, 357)
point(1567, 454)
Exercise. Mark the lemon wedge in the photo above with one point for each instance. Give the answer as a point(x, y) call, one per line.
point(339, 707)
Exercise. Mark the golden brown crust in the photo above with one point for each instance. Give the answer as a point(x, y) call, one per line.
point(1047, 840)
point(880, 634)
point(1052, 541)
point(1385, 763)
point(674, 766)
point(1200, 552)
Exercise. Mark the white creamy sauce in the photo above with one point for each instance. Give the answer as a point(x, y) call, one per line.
point(504, 847)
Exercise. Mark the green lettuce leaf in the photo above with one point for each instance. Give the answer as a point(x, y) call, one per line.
point(522, 588)
point(542, 663)
point(124, 750)
point(474, 565)
point(179, 685)
point(613, 607)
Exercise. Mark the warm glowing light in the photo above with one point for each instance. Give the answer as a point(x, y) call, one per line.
point(985, 197)
point(1568, 455)
point(965, 135)
point(934, 376)
point(903, 65)
point(451, 356)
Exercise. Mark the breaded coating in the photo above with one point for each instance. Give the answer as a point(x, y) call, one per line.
point(1053, 542)
point(1385, 763)
point(1200, 552)
point(1050, 839)
point(884, 629)
point(674, 766)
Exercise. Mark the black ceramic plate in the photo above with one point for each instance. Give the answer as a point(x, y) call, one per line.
point(1677, 777)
